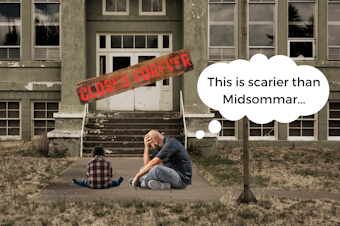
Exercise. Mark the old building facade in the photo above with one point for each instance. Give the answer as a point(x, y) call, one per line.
point(48, 46)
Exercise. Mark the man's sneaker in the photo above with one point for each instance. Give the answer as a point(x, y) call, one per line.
point(136, 185)
point(156, 185)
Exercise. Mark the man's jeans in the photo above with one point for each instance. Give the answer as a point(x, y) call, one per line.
point(162, 174)
point(83, 183)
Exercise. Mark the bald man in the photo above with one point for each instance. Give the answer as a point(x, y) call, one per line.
point(176, 170)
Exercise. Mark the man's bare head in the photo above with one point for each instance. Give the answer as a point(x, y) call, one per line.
point(157, 139)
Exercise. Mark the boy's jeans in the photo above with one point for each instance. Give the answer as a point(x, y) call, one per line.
point(83, 183)
point(163, 174)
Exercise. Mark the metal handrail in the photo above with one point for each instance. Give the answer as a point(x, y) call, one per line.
point(86, 110)
point(182, 110)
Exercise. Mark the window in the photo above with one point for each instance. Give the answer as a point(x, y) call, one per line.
point(262, 131)
point(304, 128)
point(10, 30)
point(221, 40)
point(334, 121)
point(47, 30)
point(9, 119)
point(301, 37)
point(115, 7)
point(43, 120)
point(262, 27)
point(228, 130)
point(334, 30)
point(152, 7)
point(139, 41)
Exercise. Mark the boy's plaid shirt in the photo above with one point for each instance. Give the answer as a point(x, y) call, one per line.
point(99, 172)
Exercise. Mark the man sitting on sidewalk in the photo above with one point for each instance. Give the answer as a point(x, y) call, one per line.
point(176, 170)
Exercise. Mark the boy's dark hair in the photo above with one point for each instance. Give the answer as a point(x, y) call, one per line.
point(98, 151)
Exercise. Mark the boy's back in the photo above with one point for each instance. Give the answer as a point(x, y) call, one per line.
point(99, 172)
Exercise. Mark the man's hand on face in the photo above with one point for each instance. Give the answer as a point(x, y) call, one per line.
point(147, 140)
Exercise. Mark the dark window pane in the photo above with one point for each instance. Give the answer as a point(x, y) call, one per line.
point(116, 41)
point(140, 41)
point(39, 131)
point(2, 105)
point(252, 124)
point(50, 123)
point(52, 106)
point(127, 41)
point(144, 58)
point(334, 132)
point(39, 114)
point(13, 114)
point(295, 124)
point(111, 5)
point(221, 35)
point(146, 5)
point(102, 62)
point(217, 114)
point(301, 19)
point(3, 123)
point(9, 20)
point(102, 40)
point(332, 106)
point(49, 129)
point(9, 35)
point(121, 5)
point(165, 41)
point(228, 132)
point(261, 35)
point(39, 123)
point(47, 24)
point(270, 124)
point(301, 49)
point(13, 131)
point(228, 123)
point(334, 123)
point(50, 114)
point(152, 41)
point(307, 123)
point(334, 114)
point(13, 105)
point(39, 106)
point(294, 132)
point(157, 6)
point(3, 114)
point(308, 132)
point(268, 132)
point(13, 123)
point(120, 62)
point(308, 116)
point(255, 132)
point(166, 82)
point(9, 12)
point(46, 13)
point(47, 36)
point(3, 131)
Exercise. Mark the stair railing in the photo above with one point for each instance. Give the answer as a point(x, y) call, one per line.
point(182, 111)
point(86, 110)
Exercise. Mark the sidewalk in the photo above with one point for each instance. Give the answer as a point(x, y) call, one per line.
point(127, 167)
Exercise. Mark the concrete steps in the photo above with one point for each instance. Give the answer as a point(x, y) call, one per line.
point(122, 133)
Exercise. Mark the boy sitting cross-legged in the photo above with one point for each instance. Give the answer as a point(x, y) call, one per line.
point(99, 172)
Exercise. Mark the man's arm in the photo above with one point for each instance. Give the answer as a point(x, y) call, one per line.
point(146, 155)
point(146, 169)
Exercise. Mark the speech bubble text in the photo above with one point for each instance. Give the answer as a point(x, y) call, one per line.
point(263, 90)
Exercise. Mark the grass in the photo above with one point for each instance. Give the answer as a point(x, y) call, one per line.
point(289, 168)
point(23, 176)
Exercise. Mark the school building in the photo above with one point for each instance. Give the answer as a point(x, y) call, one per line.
point(48, 46)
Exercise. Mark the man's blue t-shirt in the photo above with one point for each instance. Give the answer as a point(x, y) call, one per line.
point(175, 156)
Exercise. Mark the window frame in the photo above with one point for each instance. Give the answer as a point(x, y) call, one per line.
point(262, 48)
point(12, 137)
point(162, 13)
point(331, 23)
point(306, 138)
point(275, 137)
point(108, 13)
point(336, 138)
point(33, 136)
point(47, 47)
point(221, 48)
point(18, 46)
point(304, 39)
point(221, 137)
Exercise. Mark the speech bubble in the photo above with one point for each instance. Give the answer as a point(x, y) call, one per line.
point(263, 90)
